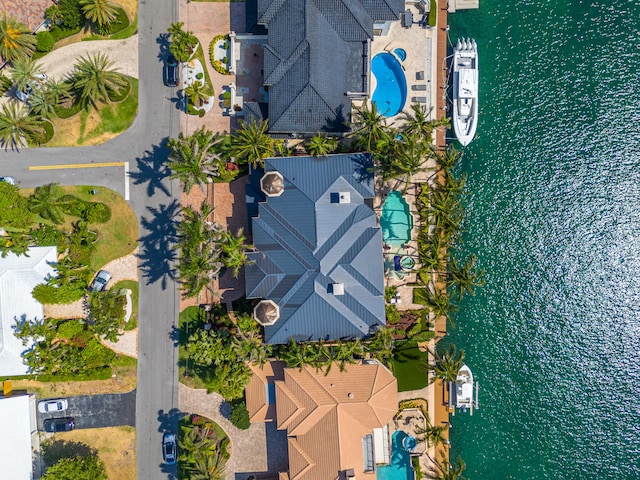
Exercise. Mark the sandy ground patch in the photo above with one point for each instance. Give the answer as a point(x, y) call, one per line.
point(116, 448)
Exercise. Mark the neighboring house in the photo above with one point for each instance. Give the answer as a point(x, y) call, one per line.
point(316, 59)
point(19, 434)
point(29, 12)
point(18, 276)
point(337, 424)
point(318, 262)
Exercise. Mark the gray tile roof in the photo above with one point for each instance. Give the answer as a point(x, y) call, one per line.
point(304, 243)
point(315, 55)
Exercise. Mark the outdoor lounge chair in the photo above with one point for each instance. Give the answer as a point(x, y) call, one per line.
point(419, 99)
point(418, 87)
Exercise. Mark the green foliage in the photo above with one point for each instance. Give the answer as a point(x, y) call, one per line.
point(45, 202)
point(118, 24)
point(106, 313)
point(64, 294)
point(44, 41)
point(70, 329)
point(45, 235)
point(14, 208)
point(240, 416)
point(120, 95)
point(219, 66)
point(392, 313)
point(5, 84)
point(97, 355)
point(16, 40)
point(93, 78)
point(70, 14)
point(182, 42)
point(433, 13)
point(77, 468)
point(92, 212)
point(202, 449)
point(410, 366)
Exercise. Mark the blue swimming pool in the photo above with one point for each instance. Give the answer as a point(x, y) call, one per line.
point(400, 467)
point(390, 94)
point(396, 220)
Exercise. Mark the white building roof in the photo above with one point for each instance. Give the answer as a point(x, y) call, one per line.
point(18, 276)
point(15, 441)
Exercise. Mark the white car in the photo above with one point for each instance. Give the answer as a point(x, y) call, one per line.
point(58, 405)
point(9, 180)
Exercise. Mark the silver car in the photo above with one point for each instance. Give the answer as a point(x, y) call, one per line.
point(9, 180)
point(58, 405)
point(169, 448)
point(100, 281)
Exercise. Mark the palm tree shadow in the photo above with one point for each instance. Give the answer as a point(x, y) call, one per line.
point(152, 168)
point(364, 168)
point(163, 40)
point(157, 253)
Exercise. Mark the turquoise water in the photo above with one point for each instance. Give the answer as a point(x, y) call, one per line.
point(400, 467)
point(390, 94)
point(401, 54)
point(396, 220)
point(554, 217)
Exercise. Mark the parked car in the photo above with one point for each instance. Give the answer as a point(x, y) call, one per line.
point(59, 405)
point(63, 424)
point(100, 281)
point(171, 76)
point(169, 448)
point(10, 180)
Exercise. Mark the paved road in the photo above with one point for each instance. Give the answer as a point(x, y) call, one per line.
point(153, 198)
point(96, 411)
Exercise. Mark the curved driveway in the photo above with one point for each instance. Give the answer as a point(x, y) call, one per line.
point(154, 199)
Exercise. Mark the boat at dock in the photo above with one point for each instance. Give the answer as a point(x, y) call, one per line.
point(463, 393)
point(465, 90)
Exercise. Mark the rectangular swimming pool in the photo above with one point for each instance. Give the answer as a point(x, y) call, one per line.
point(400, 467)
point(396, 220)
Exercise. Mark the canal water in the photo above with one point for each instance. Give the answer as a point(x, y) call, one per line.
point(553, 215)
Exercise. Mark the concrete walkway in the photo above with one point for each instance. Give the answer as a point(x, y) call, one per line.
point(261, 448)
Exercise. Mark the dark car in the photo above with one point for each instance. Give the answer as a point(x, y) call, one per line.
point(169, 448)
point(63, 424)
point(171, 77)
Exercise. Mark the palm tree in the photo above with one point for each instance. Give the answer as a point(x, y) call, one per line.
point(44, 202)
point(380, 346)
point(293, 354)
point(437, 301)
point(16, 40)
point(18, 126)
point(182, 42)
point(449, 471)
point(94, 78)
point(24, 72)
point(101, 12)
point(464, 278)
point(251, 144)
point(197, 93)
point(208, 467)
point(419, 123)
point(234, 252)
point(320, 145)
point(434, 436)
point(370, 127)
point(193, 158)
point(449, 158)
point(43, 103)
point(407, 158)
point(448, 363)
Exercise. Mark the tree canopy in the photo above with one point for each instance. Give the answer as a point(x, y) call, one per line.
point(77, 468)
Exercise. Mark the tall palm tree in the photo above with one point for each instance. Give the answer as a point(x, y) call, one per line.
point(193, 158)
point(448, 159)
point(44, 201)
point(447, 363)
point(251, 144)
point(320, 145)
point(464, 278)
point(293, 354)
point(101, 12)
point(419, 123)
point(370, 127)
point(16, 40)
point(408, 158)
point(445, 470)
point(434, 436)
point(234, 252)
point(24, 72)
point(197, 92)
point(18, 126)
point(94, 78)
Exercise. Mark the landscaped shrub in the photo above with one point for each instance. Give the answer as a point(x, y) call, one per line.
point(47, 236)
point(433, 13)
point(240, 416)
point(74, 109)
point(97, 355)
point(219, 66)
point(393, 316)
point(48, 132)
point(70, 329)
point(64, 294)
point(44, 41)
point(58, 33)
point(70, 14)
point(92, 212)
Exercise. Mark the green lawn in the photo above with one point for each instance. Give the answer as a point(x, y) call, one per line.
point(409, 366)
point(187, 322)
point(133, 286)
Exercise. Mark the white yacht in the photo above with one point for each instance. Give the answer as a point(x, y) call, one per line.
point(465, 90)
point(463, 390)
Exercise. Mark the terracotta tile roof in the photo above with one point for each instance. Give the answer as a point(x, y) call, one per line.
point(326, 416)
point(259, 409)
